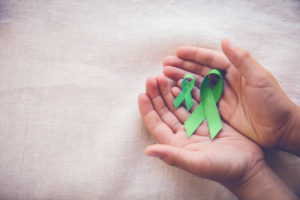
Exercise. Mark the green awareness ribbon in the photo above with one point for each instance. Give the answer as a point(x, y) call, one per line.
point(185, 94)
point(207, 108)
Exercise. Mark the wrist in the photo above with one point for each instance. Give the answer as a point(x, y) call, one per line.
point(261, 183)
point(290, 139)
point(247, 179)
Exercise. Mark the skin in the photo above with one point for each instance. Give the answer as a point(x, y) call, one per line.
point(231, 158)
point(253, 102)
point(198, 154)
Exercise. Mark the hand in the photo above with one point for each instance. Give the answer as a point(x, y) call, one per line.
point(253, 102)
point(230, 158)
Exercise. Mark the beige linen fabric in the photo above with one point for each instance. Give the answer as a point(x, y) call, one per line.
point(70, 74)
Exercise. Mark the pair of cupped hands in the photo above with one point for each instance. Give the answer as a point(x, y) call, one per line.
point(255, 112)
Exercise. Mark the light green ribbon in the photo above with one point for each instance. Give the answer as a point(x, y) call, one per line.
point(185, 94)
point(207, 108)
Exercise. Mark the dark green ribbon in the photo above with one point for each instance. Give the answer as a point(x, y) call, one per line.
point(208, 107)
point(185, 94)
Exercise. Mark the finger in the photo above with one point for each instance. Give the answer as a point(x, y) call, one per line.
point(166, 115)
point(203, 56)
point(242, 60)
point(186, 65)
point(168, 97)
point(160, 131)
point(176, 74)
point(165, 90)
point(180, 112)
point(232, 75)
point(192, 161)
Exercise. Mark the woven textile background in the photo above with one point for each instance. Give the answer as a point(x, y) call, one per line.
point(70, 74)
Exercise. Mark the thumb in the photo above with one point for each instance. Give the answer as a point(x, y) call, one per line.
point(242, 60)
point(181, 158)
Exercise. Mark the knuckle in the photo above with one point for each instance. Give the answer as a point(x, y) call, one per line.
point(170, 161)
point(243, 57)
point(199, 70)
point(209, 59)
point(244, 54)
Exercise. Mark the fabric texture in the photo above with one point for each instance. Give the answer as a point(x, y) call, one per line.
point(70, 74)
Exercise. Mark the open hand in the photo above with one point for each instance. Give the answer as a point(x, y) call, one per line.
point(252, 102)
point(230, 158)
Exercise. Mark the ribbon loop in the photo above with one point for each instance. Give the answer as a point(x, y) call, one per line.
point(185, 94)
point(207, 108)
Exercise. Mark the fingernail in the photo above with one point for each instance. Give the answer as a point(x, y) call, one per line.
point(153, 154)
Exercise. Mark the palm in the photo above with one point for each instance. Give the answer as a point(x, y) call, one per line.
point(246, 107)
point(256, 104)
point(223, 159)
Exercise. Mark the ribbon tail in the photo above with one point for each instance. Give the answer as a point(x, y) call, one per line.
point(215, 126)
point(179, 99)
point(188, 101)
point(194, 120)
point(212, 114)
